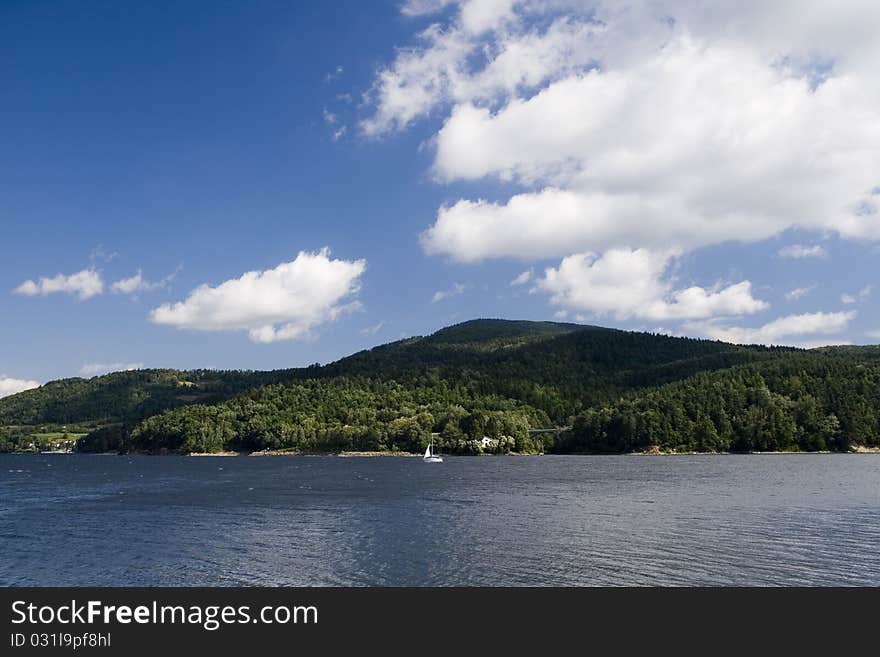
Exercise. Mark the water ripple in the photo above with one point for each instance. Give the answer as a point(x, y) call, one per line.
point(553, 521)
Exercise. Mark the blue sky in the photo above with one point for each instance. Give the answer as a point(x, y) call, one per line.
point(439, 150)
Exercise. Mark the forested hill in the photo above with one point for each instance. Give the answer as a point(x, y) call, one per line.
point(558, 368)
point(477, 386)
point(519, 357)
point(127, 396)
point(826, 399)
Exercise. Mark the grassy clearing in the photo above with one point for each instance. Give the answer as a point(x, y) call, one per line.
point(56, 436)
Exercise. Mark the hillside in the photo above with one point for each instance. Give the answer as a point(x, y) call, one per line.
point(826, 399)
point(516, 351)
point(484, 378)
point(559, 368)
point(126, 396)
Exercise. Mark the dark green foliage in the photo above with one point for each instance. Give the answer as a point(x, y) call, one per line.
point(109, 438)
point(127, 396)
point(558, 368)
point(340, 414)
point(481, 386)
point(807, 401)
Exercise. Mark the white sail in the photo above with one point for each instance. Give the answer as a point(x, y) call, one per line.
point(429, 456)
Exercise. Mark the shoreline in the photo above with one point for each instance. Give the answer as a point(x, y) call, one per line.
point(860, 449)
point(281, 452)
point(389, 454)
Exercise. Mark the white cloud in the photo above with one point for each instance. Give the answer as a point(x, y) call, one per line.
point(799, 292)
point(523, 278)
point(84, 284)
point(138, 283)
point(284, 303)
point(457, 288)
point(518, 59)
point(401, 99)
point(556, 222)
point(780, 331)
point(628, 283)
point(785, 33)
point(799, 251)
point(372, 330)
point(873, 334)
point(642, 127)
point(477, 16)
point(861, 295)
point(93, 369)
point(639, 157)
point(10, 386)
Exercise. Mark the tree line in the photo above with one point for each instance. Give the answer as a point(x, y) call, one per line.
point(487, 379)
point(808, 401)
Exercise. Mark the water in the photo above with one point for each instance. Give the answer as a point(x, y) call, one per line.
point(553, 520)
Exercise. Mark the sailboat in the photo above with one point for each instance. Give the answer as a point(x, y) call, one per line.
point(429, 456)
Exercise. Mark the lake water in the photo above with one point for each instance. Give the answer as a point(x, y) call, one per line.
point(550, 520)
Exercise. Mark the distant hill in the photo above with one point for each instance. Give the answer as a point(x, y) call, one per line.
point(559, 368)
point(126, 396)
point(486, 379)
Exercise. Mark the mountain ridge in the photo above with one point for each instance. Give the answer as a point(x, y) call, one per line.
point(481, 378)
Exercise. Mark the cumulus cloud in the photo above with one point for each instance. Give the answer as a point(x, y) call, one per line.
point(628, 283)
point(782, 331)
point(643, 126)
point(875, 335)
point(457, 288)
point(10, 386)
point(799, 251)
point(399, 101)
point(556, 222)
point(93, 369)
point(284, 303)
point(639, 157)
point(438, 72)
point(84, 285)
